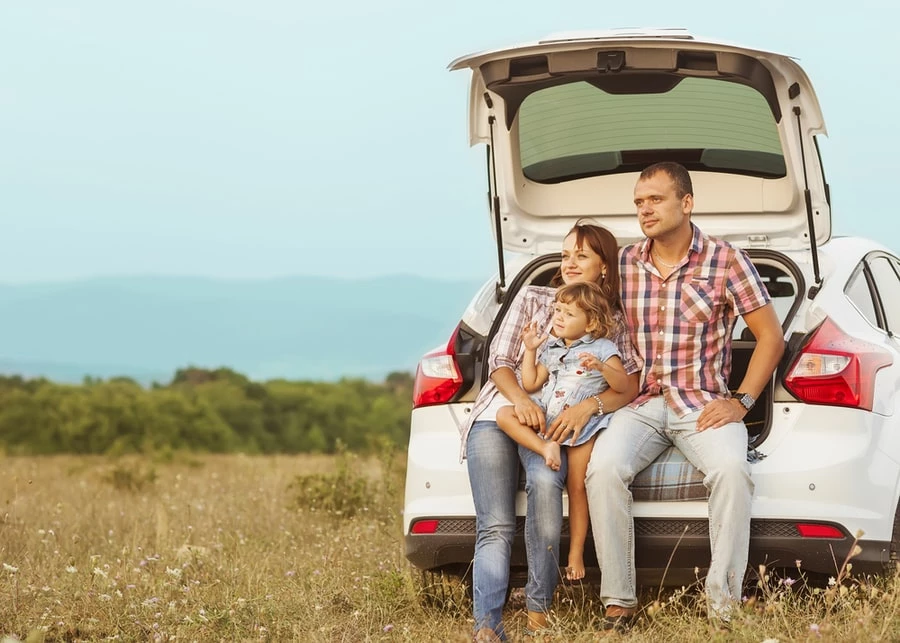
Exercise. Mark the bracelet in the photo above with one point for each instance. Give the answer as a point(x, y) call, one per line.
point(599, 404)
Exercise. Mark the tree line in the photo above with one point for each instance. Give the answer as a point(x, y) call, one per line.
point(217, 411)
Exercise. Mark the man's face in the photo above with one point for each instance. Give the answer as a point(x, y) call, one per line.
point(661, 213)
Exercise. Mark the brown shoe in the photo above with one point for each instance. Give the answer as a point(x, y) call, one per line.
point(486, 635)
point(618, 619)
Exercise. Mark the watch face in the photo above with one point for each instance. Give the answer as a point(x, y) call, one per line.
point(747, 401)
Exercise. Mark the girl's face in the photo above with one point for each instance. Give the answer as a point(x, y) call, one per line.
point(580, 263)
point(569, 321)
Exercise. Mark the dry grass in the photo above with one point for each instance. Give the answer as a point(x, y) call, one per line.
point(215, 548)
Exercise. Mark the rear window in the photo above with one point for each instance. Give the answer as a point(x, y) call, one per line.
point(577, 130)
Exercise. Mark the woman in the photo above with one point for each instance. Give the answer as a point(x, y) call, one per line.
point(590, 253)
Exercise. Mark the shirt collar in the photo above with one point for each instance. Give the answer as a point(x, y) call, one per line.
point(695, 248)
point(587, 338)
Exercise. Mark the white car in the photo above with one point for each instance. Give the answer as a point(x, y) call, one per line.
point(569, 123)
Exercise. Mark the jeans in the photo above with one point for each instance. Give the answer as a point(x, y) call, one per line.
point(493, 461)
point(634, 438)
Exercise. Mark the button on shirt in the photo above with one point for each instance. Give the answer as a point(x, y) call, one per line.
point(682, 325)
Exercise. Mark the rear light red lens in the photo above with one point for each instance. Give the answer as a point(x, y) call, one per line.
point(424, 527)
point(818, 531)
point(437, 376)
point(836, 369)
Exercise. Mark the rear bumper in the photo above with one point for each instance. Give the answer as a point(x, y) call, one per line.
point(678, 546)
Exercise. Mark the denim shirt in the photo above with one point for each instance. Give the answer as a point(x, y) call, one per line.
point(569, 382)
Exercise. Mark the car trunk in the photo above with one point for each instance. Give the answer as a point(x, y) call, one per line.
point(670, 477)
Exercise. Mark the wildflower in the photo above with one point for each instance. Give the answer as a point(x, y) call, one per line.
point(9, 568)
point(814, 628)
point(105, 597)
point(99, 572)
point(788, 582)
point(72, 569)
point(174, 572)
point(289, 573)
point(388, 628)
point(832, 581)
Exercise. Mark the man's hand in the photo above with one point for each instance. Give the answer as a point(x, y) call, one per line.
point(568, 424)
point(530, 414)
point(719, 413)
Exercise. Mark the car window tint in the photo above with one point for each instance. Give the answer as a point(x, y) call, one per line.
point(858, 292)
point(888, 285)
point(576, 130)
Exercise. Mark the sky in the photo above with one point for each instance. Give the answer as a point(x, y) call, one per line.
point(263, 138)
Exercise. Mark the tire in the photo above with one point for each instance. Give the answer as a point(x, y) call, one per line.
point(894, 555)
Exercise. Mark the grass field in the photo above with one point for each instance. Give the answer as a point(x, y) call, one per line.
point(306, 548)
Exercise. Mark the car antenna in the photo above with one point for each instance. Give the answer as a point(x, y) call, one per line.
point(793, 92)
point(494, 202)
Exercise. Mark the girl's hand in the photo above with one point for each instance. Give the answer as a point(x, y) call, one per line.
point(590, 362)
point(531, 338)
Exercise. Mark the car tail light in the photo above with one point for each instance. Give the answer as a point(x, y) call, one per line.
point(813, 530)
point(437, 376)
point(424, 527)
point(836, 369)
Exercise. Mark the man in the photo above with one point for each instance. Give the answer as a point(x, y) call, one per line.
point(682, 292)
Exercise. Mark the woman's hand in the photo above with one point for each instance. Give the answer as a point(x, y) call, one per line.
point(568, 424)
point(530, 337)
point(529, 413)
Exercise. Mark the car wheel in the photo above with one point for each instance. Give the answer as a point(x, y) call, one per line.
point(894, 558)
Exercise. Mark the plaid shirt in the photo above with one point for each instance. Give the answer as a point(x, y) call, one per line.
point(682, 324)
point(532, 303)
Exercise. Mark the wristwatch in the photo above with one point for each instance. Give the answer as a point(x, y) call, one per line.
point(746, 400)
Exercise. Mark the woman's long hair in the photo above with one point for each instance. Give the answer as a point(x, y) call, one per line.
point(601, 241)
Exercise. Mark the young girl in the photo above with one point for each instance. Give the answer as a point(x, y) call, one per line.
point(578, 362)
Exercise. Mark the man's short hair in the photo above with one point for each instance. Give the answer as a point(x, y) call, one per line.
point(676, 172)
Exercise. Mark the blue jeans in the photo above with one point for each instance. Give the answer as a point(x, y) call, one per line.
point(634, 438)
point(493, 461)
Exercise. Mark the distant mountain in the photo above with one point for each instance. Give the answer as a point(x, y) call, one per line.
point(298, 328)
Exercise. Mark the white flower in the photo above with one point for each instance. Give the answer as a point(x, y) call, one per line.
point(174, 572)
point(9, 568)
point(72, 569)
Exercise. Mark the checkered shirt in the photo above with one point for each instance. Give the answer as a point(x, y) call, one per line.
point(682, 325)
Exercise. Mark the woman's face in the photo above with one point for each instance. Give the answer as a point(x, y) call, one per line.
point(580, 263)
